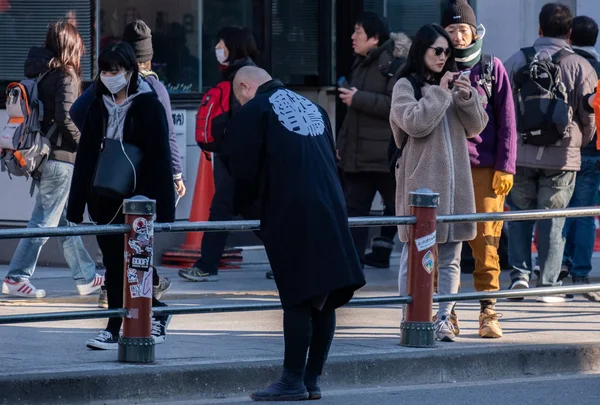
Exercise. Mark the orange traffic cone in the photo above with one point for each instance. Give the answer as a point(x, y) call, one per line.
point(203, 195)
point(189, 252)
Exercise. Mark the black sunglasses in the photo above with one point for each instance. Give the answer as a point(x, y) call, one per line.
point(439, 50)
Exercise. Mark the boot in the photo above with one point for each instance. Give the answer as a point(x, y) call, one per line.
point(313, 386)
point(290, 387)
point(381, 249)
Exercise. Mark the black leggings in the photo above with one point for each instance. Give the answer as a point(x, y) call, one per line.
point(305, 327)
point(113, 251)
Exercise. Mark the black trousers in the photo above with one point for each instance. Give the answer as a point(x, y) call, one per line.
point(221, 209)
point(360, 190)
point(307, 330)
point(113, 251)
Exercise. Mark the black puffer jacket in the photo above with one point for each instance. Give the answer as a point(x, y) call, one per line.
point(57, 91)
point(365, 135)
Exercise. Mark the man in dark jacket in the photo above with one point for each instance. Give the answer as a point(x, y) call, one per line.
point(139, 36)
point(580, 233)
point(57, 90)
point(282, 155)
point(365, 135)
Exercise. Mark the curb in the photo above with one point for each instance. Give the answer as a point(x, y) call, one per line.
point(414, 367)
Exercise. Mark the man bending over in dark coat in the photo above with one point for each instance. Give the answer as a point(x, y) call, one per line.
point(281, 154)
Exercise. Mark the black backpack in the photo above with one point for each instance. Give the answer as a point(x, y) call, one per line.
point(543, 112)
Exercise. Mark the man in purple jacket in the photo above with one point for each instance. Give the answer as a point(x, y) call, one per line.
point(139, 36)
point(493, 153)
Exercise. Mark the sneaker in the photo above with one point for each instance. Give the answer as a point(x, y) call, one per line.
point(453, 321)
point(92, 286)
point(164, 284)
point(553, 299)
point(104, 341)
point(444, 330)
point(489, 327)
point(518, 284)
point(194, 274)
point(564, 272)
point(590, 296)
point(103, 299)
point(21, 289)
point(159, 329)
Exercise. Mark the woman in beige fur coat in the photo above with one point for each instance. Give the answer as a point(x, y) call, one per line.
point(433, 132)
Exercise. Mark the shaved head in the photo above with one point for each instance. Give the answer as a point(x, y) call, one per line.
point(247, 80)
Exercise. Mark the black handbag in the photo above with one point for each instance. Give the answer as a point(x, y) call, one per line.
point(117, 169)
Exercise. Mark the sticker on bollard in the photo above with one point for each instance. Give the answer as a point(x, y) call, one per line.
point(136, 344)
point(428, 262)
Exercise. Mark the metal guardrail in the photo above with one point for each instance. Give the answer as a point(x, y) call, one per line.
point(254, 225)
point(414, 332)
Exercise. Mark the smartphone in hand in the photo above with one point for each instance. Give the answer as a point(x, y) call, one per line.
point(343, 83)
point(462, 75)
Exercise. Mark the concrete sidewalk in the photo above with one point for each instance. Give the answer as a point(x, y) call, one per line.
point(220, 355)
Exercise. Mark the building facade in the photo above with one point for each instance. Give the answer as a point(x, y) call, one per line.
point(305, 43)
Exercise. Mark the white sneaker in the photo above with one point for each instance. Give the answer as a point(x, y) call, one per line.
point(444, 330)
point(104, 341)
point(92, 286)
point(21, 289)
point(553, 299)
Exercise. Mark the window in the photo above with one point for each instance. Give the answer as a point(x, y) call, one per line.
point(23, 24)
point(175, 37)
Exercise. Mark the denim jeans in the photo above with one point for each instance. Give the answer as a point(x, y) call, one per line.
point(538, 189)
point(50, 211)
point(580, 233)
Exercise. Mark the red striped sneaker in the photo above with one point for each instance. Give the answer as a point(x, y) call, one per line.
point(21, 289)
point(92, 286)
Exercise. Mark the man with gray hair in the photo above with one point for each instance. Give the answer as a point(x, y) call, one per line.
point(281, 156)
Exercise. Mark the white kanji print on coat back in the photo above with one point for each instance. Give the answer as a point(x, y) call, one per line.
point(297, 114)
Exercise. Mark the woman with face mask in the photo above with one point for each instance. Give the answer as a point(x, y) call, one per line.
point(125, 109)
point(433, 113)
point(235, 49)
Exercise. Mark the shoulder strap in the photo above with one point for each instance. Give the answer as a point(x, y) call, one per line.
point(560, 55)
point(529, 54)
point(487, 75)
point(416, 87)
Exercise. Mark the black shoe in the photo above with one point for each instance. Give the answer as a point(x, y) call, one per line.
point(590, 296)
point(290, 387)
point(313, 386)
point(381, 250)
point(564, 273)
point(159, 329)
point(270, 275)
point(104, 341)
point(518, 284)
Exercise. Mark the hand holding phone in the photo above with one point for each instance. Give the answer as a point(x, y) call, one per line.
point(343, 83)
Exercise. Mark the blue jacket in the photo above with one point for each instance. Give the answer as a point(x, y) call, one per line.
point(80, 107)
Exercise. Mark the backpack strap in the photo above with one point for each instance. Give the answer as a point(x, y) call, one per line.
point(529, 53)
point(487, 75)
point(560, 55)
point(416, 86)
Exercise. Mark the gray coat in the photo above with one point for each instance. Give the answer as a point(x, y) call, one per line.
point(365, 134)
point(581, 79)
point(436, 155)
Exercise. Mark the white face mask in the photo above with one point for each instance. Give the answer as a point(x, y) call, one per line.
point(114, 84)
point(220, 53)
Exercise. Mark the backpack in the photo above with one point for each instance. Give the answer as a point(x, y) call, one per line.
point(543, 112)
point(213, 116)
point(25, 147)
point(487, 75)
point(394, 152)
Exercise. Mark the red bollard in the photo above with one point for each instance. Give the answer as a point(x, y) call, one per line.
point(136, 344)
point(417, 328)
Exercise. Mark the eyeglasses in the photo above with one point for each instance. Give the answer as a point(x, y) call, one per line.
point(439, 50)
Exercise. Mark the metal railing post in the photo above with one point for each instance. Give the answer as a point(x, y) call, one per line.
point(136, 344)
point(417, 328)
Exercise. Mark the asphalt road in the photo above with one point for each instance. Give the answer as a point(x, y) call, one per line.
point(555, 390)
